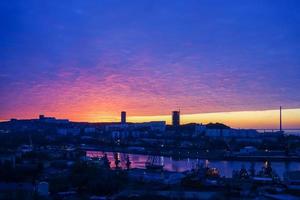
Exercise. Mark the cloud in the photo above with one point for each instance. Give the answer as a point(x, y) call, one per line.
point(198, 57)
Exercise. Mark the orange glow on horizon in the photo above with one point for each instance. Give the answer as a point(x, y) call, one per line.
point(267, 119)
point(242, 119)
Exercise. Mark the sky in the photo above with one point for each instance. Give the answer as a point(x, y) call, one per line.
point(89, 60)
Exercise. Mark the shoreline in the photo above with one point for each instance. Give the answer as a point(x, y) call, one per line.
point(179, 155)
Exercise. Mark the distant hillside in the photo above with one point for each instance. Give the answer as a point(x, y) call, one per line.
point(217, 126)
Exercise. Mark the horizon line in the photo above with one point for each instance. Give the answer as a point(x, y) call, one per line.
point(256, 119)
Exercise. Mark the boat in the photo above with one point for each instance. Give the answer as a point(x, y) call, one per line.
point(268, 172)
point(201, 175)
point(153, 163)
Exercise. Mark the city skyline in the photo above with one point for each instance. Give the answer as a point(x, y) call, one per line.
point(233, 63)
point(268, 119)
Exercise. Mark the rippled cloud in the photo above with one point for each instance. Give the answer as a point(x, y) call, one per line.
point(90, 60)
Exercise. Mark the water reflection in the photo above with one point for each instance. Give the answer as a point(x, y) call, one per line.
point(225, 167)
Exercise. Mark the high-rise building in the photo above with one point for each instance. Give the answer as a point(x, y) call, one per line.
point(176, 118)
point(123, 117)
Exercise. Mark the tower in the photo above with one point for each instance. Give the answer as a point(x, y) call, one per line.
point(123, 117)
point(280, 120)
point(176, 118)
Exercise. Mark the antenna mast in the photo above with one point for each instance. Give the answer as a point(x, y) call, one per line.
point(280, 110)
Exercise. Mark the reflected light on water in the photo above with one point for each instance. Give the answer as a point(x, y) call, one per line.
point(225, 167)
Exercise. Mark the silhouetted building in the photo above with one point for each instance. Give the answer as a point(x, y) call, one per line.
point(43, 118)
point(123, 117)
point(153, 125)
point(176, 118)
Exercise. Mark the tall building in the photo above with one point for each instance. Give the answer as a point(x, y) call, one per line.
point(123, 117)
point(176, 118)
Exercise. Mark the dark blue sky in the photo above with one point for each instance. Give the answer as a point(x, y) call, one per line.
point(74, 58)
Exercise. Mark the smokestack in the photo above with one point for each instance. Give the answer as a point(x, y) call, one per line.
point(280, 120)
point(123, 117)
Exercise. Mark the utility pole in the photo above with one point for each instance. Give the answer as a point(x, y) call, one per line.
point(280, 120)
